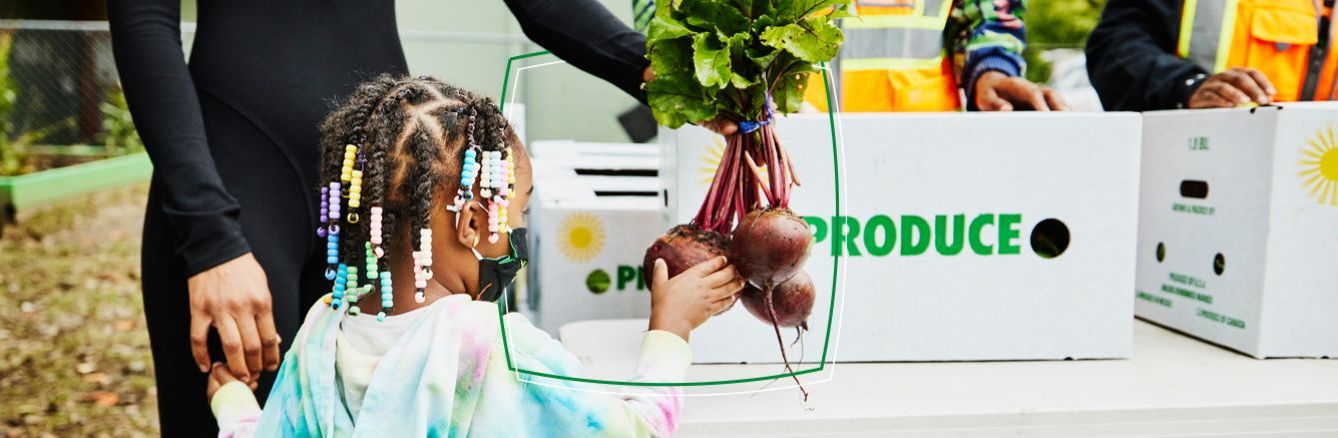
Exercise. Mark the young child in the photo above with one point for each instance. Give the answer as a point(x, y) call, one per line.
point(424, 191)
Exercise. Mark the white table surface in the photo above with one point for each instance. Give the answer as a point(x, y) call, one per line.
point(1174, 386)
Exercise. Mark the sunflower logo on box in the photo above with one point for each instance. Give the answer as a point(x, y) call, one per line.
point(711, 160)
point(1319, 166)
point(581, 237)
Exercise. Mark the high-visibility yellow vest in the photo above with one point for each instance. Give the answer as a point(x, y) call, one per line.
point(894, 59)
point(1274, 36)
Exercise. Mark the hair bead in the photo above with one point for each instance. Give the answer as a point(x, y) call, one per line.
point(340, 284)
point(387, 292)
point(355, 190)
point(352, 285)
point(325, 211)
point(334, 201)
point(346, 172)
point(469, 171)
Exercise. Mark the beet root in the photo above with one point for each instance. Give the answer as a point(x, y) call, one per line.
point(683, 247)
point(785, 305)
point(769, 246)
point(792, 301)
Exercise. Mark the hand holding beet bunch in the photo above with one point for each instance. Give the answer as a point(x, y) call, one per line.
point(744, 60)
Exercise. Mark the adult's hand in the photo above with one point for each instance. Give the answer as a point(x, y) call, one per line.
point(996, 91)
point(719, 125)
point(234, 298)
point(1233, 87)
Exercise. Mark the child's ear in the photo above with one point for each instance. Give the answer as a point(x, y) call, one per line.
point(470, 225)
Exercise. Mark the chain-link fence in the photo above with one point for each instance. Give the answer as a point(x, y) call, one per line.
point(58, 86)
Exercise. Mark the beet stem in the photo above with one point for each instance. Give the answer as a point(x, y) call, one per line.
point(721, 205)
point(787, 184)
point(777, 172)
point(794, 176)
point(709, 205)
point(757, 172)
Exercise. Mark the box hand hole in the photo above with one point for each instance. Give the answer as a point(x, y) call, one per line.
point(1193, 188)
point(1049, 238)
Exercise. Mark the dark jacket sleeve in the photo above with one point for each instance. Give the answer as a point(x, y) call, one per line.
point(1131, 56)
point(588, 36)
point(146, 40)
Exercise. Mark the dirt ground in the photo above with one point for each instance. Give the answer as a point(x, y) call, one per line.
point(74, 354)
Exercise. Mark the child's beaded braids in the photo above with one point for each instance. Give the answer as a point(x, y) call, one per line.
point(386, 159)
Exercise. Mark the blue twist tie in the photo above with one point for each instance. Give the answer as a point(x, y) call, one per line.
point(749, 127)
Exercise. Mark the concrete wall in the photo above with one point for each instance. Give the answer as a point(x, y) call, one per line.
point(562, 102)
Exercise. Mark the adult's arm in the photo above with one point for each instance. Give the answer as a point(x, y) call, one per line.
point(146, 40)
point(588, 36)
point(227, 286)
point(1131, 56)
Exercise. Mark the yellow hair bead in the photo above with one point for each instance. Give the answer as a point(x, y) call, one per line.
point(355, 190)
point(350, 154)
point(511, 165)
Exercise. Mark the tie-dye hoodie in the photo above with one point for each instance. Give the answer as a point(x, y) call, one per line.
point(448, 375)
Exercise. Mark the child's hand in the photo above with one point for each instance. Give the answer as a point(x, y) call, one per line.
point(220, 376)
point(680, 304)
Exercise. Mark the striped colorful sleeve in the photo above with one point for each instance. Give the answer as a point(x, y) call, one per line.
point(993, 37)
point(642, 12)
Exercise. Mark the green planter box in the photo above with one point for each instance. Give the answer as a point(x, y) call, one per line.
point(47, 186)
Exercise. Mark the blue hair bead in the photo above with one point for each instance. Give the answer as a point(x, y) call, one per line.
point(381, 316)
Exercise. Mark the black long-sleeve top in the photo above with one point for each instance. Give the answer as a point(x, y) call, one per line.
point(281, 63)
point(1131, 57)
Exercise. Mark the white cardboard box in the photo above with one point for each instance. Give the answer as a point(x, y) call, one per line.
point(1238, 240)
point(588, 236)
point(986, 301)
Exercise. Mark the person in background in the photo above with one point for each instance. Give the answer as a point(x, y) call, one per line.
point(934, 55)
point(230, 258)
point(1150, 55)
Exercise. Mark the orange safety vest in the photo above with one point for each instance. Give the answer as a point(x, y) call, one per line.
point(1274, 36)
point(894, 59)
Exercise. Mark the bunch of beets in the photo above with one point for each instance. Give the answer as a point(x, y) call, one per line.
point(743, 60)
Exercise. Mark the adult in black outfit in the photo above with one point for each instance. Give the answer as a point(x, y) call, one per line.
point(229, 232)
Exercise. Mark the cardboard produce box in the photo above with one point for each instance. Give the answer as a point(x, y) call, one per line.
point(601, 170)
point(588, 236)
point(1238, 240)
point(966, 236)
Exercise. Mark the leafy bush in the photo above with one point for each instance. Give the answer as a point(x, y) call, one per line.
point(118, 128)
point(1056, 24)
point(19, 153)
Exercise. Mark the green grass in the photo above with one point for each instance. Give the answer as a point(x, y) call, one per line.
point(74, 354)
